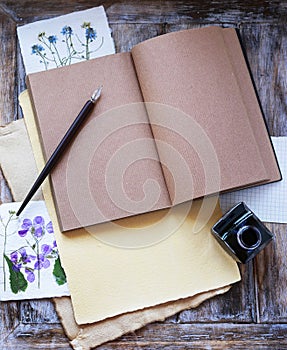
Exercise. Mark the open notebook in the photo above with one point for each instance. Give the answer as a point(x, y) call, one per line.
point(199, 132)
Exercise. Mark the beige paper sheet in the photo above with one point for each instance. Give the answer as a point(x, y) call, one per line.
point(86, 336)
point(16, 167)
point(182, 265)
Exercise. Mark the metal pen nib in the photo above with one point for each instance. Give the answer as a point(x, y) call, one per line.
point(96, 95)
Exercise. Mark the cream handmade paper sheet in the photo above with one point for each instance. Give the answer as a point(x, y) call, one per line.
point(88, 336)
point(107, 279)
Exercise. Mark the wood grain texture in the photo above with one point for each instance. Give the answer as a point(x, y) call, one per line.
point(266, 48)
point(38, 311)
point(150, 11)
point(7, 69)
point(271, 274)
point(253, 314)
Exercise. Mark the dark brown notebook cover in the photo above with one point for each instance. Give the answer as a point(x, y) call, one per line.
point(201, 130)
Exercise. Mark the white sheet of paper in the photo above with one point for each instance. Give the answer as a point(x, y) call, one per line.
point(65, 40)
point(29, 266)
point(268, 202)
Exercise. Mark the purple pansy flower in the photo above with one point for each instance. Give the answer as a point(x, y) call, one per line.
point(38, 232)
point(30, 275)
point(25, 227)
point(49, 227)
point(25, 257)
point(37, 228)
point(38, 224)
point(42, 261)
point(14, 259)
point(38, 221)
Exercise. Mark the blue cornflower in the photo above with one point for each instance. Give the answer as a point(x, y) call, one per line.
point(91, 33)
point(67, 30)
point(52, 39)
point(37, 48)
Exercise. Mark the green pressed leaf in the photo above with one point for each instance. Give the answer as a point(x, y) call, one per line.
point(17, 280)
point(59, 273)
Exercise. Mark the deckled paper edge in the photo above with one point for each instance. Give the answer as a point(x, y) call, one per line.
point(92, 335)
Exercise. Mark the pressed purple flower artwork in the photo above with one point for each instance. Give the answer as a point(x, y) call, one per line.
point(31, 266)
point(65, 40)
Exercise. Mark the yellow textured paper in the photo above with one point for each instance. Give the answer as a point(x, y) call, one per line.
point(107, 280)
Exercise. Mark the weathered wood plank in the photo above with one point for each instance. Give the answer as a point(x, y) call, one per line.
point(9, 318)
point(238, 305)
point(149, 11)
point(128, 35)
point(266, 48)
point(36, 336)
point(265, 39)
point(7, 69)
point(206, 336)
point(21, 79)
point(38, 311)
point(271, 267)
point(195, 11)
point(160, 335)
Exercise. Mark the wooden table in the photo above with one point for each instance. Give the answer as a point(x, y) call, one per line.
point(253, 315)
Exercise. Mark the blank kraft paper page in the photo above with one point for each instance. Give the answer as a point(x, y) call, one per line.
point(106, 278)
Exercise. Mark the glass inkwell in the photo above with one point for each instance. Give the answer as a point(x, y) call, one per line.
point(241, 233)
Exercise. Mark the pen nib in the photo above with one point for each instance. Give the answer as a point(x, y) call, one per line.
point(96, 95)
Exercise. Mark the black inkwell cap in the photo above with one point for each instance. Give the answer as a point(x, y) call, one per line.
point(241, 233)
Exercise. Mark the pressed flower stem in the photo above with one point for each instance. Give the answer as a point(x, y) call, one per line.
point(46, 58)
point(4, 249)
point(87, 49)
point(57, 52)
point(4, 262)
point(38, 260)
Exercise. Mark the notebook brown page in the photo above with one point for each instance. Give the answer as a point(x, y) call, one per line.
point(200, 132)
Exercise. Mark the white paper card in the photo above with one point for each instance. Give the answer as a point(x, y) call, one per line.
point(65, 40)
point(30, 267)
point(268, 202)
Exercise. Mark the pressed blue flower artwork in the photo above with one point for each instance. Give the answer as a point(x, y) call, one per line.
point(72, 45)
point(31, 266)
point(65, 40)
